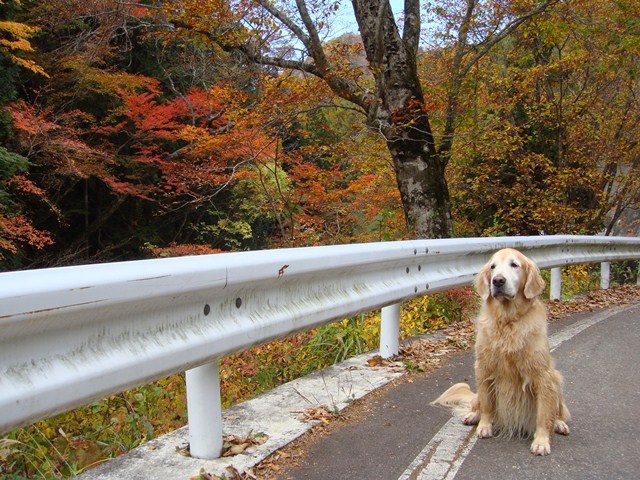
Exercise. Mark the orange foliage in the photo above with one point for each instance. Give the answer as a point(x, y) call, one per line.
point(191, 139)
point(19, 230)
point(181, 250)
point(55, 139)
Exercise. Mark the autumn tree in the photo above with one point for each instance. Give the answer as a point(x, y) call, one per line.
point(393, 101)
point(124, 145)
point(553, 137)
point(141, 139)
point(17, 230)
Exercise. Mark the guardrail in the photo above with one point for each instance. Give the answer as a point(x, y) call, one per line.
point(72, 335)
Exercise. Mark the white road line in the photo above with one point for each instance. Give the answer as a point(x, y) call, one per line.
point(444, 454)
point(571, 331)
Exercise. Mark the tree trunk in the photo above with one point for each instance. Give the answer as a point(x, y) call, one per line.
point(399, 115)
point(423, 190)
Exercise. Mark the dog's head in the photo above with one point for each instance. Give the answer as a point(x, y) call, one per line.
point(508, 274)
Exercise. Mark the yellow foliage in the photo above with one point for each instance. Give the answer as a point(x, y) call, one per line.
point(578, 278)
point(107, 82)
point(428, 313)
point(14, 40)
point(18, 31)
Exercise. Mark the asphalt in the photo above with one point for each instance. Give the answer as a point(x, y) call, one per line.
point(598, 353)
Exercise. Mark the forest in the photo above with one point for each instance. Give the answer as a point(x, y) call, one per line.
point(168, 127)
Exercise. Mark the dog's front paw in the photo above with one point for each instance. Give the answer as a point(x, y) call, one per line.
point(541, 446)
point(484, 430)
point(471, 418)
point(561, 427)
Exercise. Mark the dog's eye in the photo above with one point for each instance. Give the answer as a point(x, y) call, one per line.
point(514, 265)
point(493, 265)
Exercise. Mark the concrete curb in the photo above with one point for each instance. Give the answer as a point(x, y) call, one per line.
point(274, 414)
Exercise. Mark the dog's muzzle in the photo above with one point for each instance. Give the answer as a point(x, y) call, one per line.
point(499, 287)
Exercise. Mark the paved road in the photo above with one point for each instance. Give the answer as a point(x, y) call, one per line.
point(404, 437)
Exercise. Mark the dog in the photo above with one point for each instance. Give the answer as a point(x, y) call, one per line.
point(519, 390)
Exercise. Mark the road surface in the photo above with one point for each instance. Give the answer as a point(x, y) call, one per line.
point(403, 437)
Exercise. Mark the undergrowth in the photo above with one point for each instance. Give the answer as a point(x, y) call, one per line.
point(584, 277)
point(72, 442)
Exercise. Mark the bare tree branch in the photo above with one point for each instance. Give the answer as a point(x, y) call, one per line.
point(287, 22)
point(315, 44)
point(341, 86)
point(485, 46)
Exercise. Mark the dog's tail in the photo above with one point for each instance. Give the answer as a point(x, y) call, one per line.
point(459, 398)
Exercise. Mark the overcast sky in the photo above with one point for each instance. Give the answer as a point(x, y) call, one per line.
point(346, 22)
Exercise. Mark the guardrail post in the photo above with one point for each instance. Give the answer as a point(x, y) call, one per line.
point(605, 270)
point(555, 289)
point(390, 331)
point(204, 411)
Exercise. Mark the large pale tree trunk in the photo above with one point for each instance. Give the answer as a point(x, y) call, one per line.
point(398, 114)
point(423, 189)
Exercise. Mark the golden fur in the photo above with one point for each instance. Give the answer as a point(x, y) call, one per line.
point(519, 389)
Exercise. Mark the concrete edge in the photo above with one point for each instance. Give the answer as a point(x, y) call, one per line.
point(275, 413)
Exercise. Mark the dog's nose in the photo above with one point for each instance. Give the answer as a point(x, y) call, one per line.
point(498, 281)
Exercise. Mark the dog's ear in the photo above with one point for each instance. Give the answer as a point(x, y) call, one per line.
point(482, 281)
point(534, 285)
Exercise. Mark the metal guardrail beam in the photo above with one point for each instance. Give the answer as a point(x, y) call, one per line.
point(72, 335)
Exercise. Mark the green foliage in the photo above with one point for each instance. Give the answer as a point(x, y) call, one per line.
point(65, 445)
point(10, 165)
point(252, 212)
point(338, 341)
point(625, 272)
point(226, 233)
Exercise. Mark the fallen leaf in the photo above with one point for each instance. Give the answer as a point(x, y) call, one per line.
point(183, 450)
point(203, 475)
point(235, 450)
point(235, 445)
point(375, 361)
point(321, 414)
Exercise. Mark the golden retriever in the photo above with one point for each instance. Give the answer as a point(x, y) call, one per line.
point(519, 389)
